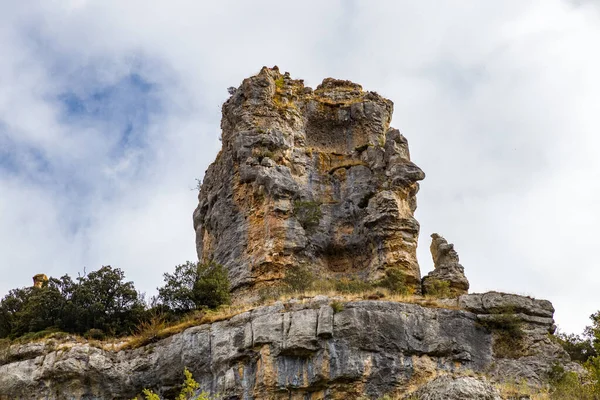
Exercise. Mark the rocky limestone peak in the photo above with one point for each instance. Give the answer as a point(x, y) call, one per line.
point(308, 177)
point(446, 268)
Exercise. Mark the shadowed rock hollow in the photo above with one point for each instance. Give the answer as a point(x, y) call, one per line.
point(308, 177)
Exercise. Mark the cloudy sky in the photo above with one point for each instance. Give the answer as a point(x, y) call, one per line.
point(109, 111)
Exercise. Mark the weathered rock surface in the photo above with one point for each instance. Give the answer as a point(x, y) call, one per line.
point(447, 387)
point(300, 351)
point(315, 178)
point(446, 268)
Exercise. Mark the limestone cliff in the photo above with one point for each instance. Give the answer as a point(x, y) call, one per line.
point(307, 350)
point(308, 177)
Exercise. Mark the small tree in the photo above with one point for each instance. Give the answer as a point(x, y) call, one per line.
point(298, 279)
point(394, 280)
point(190, 390)
point(11, 308)
point(103, 300)
point(211, 289)
point(195, 285)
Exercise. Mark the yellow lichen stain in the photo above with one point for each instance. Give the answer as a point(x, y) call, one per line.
point(368, 364)
point(240, 370)
point(208, 245)
point(343, 231)
point(424, 369)
point(326, 365)
point(320, 395)
point(305, 381)
point(328, 102)
point(265, 372)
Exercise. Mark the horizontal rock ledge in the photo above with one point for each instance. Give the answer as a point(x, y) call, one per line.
point(366, 347)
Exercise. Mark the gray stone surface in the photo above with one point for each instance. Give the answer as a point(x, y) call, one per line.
point(457, 388)
point(491, 302)
point(368, 348)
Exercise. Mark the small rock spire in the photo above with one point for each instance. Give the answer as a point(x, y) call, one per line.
point(39, 280)
point(446, 269)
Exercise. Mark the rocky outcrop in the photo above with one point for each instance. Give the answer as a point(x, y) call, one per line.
point(307, 350)
point(447, 270)
point(39, 280)
point(308, 177)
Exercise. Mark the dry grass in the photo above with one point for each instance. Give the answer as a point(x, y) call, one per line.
point(518, 390)
point(157, 329)
point(371, 294)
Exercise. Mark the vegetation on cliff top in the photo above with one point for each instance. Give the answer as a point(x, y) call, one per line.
point(102, 303)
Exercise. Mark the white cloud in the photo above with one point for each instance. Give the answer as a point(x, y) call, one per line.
point(498, 100)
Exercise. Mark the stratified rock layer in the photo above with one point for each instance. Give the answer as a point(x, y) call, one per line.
point(314, 178)
point(302, 351)
point(446, 269)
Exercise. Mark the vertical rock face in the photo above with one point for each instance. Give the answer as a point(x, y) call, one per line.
point(446, 268)
point(314, 178)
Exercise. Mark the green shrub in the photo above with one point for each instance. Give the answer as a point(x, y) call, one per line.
point(279, 82)
point(439, 289)
point(43, 334)
point(394, 280)
point(568, 385)
point(337, 306)
point(212, 287)
point(352, 286)
point(323, 285)
point(96, 334)
point(189, 390)
point(193, 286)
point(508, 334)
point(580, 349)
point(270, 293)
point(298, 279)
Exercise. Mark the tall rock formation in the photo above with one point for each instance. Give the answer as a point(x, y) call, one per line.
point(446, 269)
point(308, 177)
